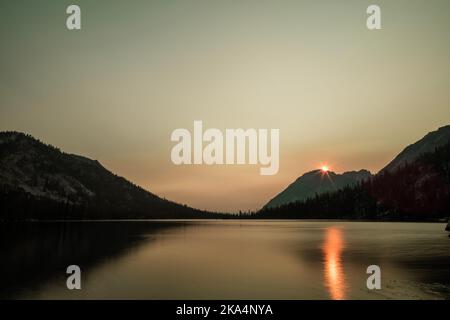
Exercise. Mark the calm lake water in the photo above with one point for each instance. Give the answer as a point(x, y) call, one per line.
point(224, 260)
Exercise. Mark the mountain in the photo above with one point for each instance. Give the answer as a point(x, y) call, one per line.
point(316, 182)
point(427, 144)
point(418, 191)
point(39, 181)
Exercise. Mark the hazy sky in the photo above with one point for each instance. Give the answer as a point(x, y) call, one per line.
point(115, 90)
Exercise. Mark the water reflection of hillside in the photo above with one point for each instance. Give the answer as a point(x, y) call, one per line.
point(32, 253)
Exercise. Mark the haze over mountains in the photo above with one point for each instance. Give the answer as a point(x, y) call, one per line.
point(39, 181)
point(416, 191)
point(317, 182)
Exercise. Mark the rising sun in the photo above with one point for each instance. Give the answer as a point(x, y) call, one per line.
point(325, 168)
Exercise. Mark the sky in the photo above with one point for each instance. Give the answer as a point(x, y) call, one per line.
point(115, 90)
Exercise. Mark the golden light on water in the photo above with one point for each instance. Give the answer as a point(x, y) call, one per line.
point(333, 269)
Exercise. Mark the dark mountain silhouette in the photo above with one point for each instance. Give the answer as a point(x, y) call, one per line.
point(427, 144)
point(39, 181)
point(414, 190)
point(316, 182)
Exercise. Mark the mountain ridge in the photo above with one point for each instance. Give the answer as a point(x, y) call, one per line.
point(304, 187)
point(427, 143)
point(56, 184)
point(314, 183)
point(415, 185)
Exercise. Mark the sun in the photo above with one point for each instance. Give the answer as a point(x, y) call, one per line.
point(325, 169)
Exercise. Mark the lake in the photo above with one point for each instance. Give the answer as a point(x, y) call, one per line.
point(224, 259)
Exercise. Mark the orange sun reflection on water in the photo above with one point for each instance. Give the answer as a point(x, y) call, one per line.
point(333, 269)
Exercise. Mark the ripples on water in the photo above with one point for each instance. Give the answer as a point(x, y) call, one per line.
point(224, 259)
